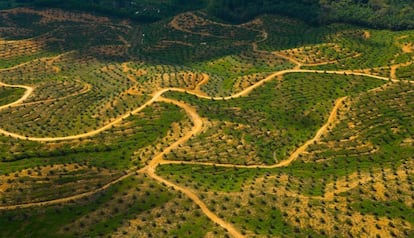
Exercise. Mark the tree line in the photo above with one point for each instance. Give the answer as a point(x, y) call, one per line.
point(390, 14)
point(140, 10)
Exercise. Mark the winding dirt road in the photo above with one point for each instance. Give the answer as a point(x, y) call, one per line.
point(151, 168)
point(213, 217)
point(158, 94)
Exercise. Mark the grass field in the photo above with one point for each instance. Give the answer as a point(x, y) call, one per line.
point(188, 127)
point(9, 95)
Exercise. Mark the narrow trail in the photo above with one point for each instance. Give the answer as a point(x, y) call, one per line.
point(213, 217)
point(198, 125)
point(281, 73)
point(265, 36)
point(297, 64)
point(155, 96)
point(294, 61)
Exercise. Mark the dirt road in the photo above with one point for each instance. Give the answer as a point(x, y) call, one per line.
point(151, 168)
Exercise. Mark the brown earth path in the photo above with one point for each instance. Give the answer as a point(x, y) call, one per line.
point(213, 217)
point(198, 125)
point(294, 61)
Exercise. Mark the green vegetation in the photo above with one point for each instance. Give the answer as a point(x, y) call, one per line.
point(9, 95)
point(389, 14)
point(394, 209)
point(374, 51)
point(367, 139)
point(232, 73)
point(406, 72)
point(113, 148)
point(272, 121)
point(359, 165)
point(287, 33)
point(143, 11)
point(378, 13)
point(90, 217)
point(151, 130)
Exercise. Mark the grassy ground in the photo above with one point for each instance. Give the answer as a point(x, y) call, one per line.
point(9, 95)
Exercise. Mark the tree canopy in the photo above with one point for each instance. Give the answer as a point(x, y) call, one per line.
point(391, 14)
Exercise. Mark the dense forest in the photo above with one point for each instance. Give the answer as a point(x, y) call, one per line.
point(141, 10)
point(391, 14)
